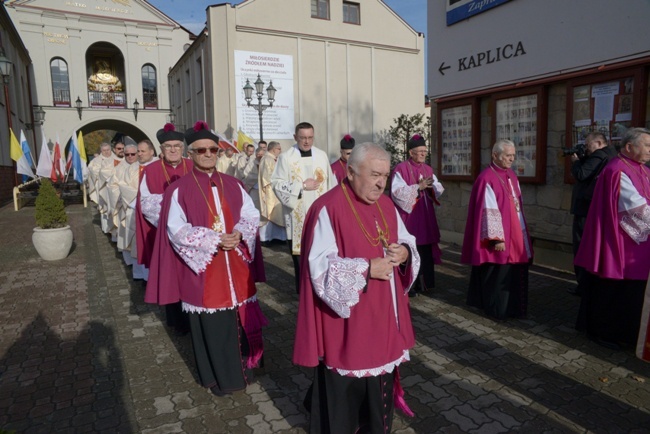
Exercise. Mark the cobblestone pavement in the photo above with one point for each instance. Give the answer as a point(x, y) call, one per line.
point(81, 352)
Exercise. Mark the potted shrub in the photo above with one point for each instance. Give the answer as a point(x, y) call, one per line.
point(52, 237)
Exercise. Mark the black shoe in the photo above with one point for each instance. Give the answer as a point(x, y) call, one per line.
point(413, 293)
point(574, 291)
point(218, 392)
point(180, 332)
point(607, 344)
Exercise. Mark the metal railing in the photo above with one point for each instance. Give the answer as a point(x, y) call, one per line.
point(61, 97)
point(150, 100)
point(107, 99)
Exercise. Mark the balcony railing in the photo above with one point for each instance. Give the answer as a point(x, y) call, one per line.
point(107, 99)
point(150, 100)
point(61, 98)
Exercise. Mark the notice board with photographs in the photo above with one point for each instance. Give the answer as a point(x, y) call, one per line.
point(603, 107)
point(458, 156)
point(519, 116)
point(604, 103)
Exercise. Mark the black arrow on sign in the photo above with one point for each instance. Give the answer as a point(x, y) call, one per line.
point(442, 68)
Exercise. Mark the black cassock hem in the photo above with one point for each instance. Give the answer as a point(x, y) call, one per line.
point(340, 404)
point(220, 350)
point(501, 290)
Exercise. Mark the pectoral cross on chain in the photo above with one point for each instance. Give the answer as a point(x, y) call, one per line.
point(382, 235)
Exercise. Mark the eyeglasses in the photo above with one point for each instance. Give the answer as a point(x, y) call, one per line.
point(176, 146)
point(119, 149)
point(201, 151)
point(130, 154)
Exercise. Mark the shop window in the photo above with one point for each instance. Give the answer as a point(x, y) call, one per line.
point(351, 13)
point(608, 103)
point(520, 116)
point(320, 9)
point(149, 87)
point(60, 83)
point(459, 152)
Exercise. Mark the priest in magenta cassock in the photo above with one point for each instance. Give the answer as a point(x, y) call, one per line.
point(339, 166)
point(415, 191)
point(205, 256)
point(497, 244)
point(354, 323)
point(156, 178)
point(615, 249)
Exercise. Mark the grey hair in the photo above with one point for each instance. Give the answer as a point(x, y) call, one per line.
point(633, 135)
point(272, 145)
point(105, 145)
point(500, 146)
point(131, 146)
point(366, 151)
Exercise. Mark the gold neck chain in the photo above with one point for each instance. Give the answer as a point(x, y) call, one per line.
point(511, 191)
point(167, 178)
point(217, 224)
point(382, 235)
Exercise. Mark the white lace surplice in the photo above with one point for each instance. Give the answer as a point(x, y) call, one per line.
point(492, 221)
point(633, 211)
point(197, 245)
point(405, 196)
point(339, 281)
point(149, 202)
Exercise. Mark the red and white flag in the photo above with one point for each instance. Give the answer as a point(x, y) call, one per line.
point(58, 163)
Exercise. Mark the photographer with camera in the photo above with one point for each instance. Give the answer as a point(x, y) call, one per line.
point(587, 163)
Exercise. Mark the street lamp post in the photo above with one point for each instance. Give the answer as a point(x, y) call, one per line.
point(39, 118)
point(259, 91)
point(136, 107)
point(5, 71)
point(78, 103)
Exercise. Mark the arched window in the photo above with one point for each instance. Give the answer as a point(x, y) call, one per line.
point(60, 83)
point(149, 87)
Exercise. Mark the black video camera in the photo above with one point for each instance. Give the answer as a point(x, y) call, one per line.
point(580, 150)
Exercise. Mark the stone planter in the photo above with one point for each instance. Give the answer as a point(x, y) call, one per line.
point(52, 244)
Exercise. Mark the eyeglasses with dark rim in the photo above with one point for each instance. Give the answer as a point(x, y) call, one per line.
point(201, 151)
point(130, 154)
